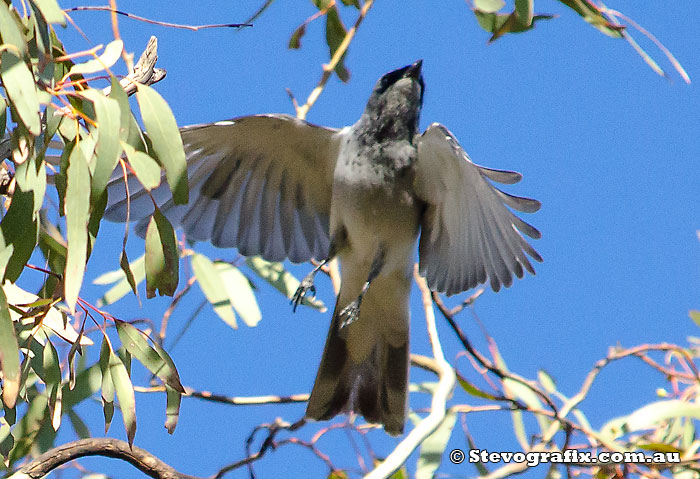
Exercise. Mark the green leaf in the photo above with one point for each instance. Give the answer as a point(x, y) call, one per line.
point(123, 283)
point(592, 14)
point(162, 259)
point(19, 231)
point(213, 287)
point(529, 397)
point(77, 207)
point(51, 11)
point(9, 355)
point(546, 381)
point(7, 442)
point(107, 395)
point(524, 9)
point(108, 148)
point(295, 39)
point(172, 409)
point(165, 137)
point(79, 426)
point(280, 279)
point(18, 81)
point(135, 342)
point(146, 168)
point(335, 34)
point(647, 416)
point(125, 394)
point(53, 320)
point(695, 316)
point(10, 30)
point(129, 130)
point(129, 274)
point(473, 390)
point(433, 447)
point(107, 59)
point(240, 293)
point(501, 23)
point(489, 6)
point(52, 377)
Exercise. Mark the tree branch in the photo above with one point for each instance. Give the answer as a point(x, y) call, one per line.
point(108, 447)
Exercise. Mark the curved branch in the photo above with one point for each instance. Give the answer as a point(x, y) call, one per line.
point(108, 447)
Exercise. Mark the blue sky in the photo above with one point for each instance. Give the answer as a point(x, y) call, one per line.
point(607, 146)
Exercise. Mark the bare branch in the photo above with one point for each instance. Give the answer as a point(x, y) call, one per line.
point(108, 447)
point(156, 22)
point(330, 67)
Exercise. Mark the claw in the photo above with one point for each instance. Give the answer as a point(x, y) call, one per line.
point(306, 285)
point(350, 313)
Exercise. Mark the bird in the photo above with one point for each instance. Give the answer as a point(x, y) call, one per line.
point(282, 188)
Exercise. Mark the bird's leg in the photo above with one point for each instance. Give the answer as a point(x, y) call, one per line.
point(307, 284)
point(351, 312)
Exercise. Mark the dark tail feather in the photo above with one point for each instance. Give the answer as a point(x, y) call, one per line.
point(375, 388)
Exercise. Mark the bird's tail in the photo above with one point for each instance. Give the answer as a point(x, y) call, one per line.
point(364, 367)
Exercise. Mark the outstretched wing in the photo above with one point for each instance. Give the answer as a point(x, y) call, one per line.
point(259, 183)
point(467, 233)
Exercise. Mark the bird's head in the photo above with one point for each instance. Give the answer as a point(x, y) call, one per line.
point(394, 106)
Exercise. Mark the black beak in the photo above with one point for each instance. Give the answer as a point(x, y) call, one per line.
point(413, 70)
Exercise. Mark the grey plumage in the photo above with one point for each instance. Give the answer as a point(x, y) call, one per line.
point(279, 187)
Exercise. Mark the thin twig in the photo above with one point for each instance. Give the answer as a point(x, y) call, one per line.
point(330, 67)
point(194, 28)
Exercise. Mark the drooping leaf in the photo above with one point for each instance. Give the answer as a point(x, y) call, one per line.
point(122, 282)
point(18, 81)
point(172, 409)
point(125, 394)
point(473, 390)
point(53, 320)
point(52, 377)
point(107, 395)
point(501, 23)
point(129, 130)
point(51, 11)
point(107, 59)
point(79, 426)
point(295, 39)
point(165, 137)
point(546, 381)
point(77, 205)
point(335, 34)
point(433, 447)
point(10, 30)
point(162, 259)
point(135, 342)
point(213, 287)
point(280, 279)
point(108, 148)
point(9, 355)
point(146, 168)
point(524, 9)
point(240, 293)
point(592, 14)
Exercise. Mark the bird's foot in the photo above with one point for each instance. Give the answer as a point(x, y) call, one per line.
point(350, 313)
point(306, 285)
